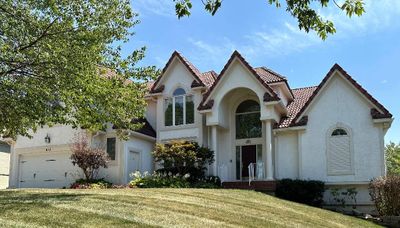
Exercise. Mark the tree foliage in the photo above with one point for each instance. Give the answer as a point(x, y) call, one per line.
point(392, 153)
point(89, 158)
point(61, 62)
point(303, 10)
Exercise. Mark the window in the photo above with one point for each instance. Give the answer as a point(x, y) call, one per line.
point(339, 131)
point(248, 123)
point(111, 148)
point(339, 153)
point(179, 109)
point(4, 147)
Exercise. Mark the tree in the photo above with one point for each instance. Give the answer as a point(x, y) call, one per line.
point(392, 153)
point(307, 17)
point(60, 63)
point(89, 158)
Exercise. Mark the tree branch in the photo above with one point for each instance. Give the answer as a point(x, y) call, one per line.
point(44, 33)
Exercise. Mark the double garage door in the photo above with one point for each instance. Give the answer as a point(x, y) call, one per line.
point(50, 170)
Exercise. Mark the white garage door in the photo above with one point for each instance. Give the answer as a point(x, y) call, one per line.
point(53, 170)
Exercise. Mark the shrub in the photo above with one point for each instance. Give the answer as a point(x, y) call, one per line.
point(207, 182)
point(92, 184)
point(157, 180)
point(169, 180)
point(89, 159)
point(385, 192)
point(183, 157)
point(308, 192)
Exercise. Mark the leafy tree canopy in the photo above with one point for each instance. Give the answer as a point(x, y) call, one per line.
point(392, 152)
point(60, 63)
point(303, 10)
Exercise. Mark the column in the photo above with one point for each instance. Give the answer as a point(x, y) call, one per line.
point(268, 150)
point(214, 147)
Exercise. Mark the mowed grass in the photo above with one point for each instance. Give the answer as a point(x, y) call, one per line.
point(160, 207)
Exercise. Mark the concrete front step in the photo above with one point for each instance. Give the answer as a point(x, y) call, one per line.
point(254, 185)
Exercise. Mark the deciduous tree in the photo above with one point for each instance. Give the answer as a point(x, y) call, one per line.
point(305, 11)
point(61, 63)
point(392, 153)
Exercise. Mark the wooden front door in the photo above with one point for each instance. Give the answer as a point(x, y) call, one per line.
point(248, 156)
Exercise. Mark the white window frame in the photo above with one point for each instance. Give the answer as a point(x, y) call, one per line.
point(184, 109)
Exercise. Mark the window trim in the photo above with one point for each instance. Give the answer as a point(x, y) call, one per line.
point(173, 100)
point(329, 135)
point(115, 148)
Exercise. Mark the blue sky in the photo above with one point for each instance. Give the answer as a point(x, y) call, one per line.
point(368, 48)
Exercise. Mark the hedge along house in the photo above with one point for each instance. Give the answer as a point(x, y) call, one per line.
point(259, 128)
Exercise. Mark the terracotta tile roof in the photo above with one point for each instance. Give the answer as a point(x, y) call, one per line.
point(383, 113)
point(204, 104)
point(301, 96)
point(149, 85)
point(208, 78)
point(192, 69)
point(268, 75)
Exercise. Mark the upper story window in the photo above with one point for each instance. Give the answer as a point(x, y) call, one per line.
point(4, 147)
point(339, 152)
point(248, 123)
point(179, 109)
point(111, 144)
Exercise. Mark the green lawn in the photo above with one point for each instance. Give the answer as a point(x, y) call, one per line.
point(160, 207)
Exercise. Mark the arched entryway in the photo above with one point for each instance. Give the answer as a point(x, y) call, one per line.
point(248, 138)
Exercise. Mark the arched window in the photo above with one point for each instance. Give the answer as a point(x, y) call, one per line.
point(248, 123)
point(179, 109)
point(339, 152)
point(339, 131)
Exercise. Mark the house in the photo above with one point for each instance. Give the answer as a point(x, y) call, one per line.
point(5, 150)
point(250, 117)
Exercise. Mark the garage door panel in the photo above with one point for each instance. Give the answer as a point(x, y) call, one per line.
point(47, 171)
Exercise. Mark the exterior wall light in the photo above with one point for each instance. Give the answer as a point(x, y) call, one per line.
point(47, 139)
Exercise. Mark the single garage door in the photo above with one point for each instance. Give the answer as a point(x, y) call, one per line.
point(52, 170)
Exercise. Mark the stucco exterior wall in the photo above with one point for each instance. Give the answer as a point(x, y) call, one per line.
point(62, 136)
point(237, 76)
point(286, 155)
point(4, 169)
point(151, 113)
point(59, 134)
point(340, 103)
point(178, 76)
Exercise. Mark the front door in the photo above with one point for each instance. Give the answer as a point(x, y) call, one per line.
point(248, 156)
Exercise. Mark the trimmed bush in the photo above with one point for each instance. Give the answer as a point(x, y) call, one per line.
point(169, 180)
point(183, 157)
point(157, 180)
point(308, 192)
point(92, 184)
point(385, 192)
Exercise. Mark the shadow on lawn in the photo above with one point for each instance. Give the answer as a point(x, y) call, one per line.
point(29, 197)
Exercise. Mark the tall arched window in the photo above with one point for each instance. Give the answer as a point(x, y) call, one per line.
point(248, 123)
point(179, 109)
point(339, 152)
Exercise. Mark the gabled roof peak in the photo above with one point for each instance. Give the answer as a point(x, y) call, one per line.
point(336, 67)
point(191, 68)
